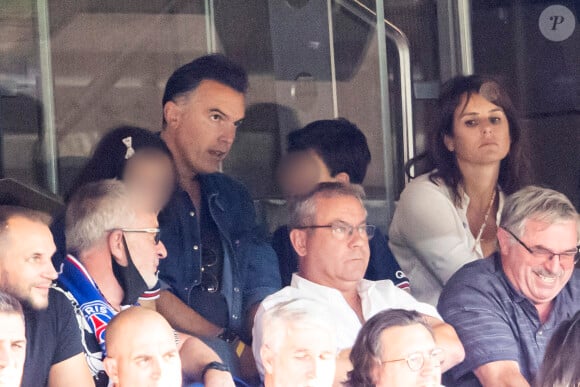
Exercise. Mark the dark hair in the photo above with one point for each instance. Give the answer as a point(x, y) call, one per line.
point(215, 67)
point(108, 160)
point(559, 367)
point(340, 143)
point(367, 348)
point(514, 170)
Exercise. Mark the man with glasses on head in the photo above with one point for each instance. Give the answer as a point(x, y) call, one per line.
point(114, 250)
point(331, 237)
point(506, 307)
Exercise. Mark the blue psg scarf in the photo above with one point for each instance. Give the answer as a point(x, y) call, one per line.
point(95, 309)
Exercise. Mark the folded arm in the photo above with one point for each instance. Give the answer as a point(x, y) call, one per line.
point(72, 372)
point(501, 374)
point(447, 339)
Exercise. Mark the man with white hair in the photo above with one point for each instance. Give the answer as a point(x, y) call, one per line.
point(114, 251)
point(506, 307)
point(299, 345)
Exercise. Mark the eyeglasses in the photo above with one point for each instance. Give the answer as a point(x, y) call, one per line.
point(209, 281)
point(156, 231)
point(416, 360)
point(340, 230)
point(567, 258)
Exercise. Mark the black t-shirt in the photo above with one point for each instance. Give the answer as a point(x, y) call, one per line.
point(52, 336)
point(211, 304)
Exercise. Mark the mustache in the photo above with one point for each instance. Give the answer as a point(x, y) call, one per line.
point(548, 274)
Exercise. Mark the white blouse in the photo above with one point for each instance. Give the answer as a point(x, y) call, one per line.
point(430, 237)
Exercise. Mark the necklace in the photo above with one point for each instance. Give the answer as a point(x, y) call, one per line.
point(484, 224)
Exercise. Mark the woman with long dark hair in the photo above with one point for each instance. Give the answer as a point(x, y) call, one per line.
point(474, 156)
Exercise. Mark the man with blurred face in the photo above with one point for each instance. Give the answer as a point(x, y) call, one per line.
point(520, 295)
point(12, 341)
point(54, 352)
point(141, 350)
point(329, 151)
point(330, 235)
point(299, 346)
point(113, 240)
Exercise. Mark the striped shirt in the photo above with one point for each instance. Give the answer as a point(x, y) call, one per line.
point(495, 322)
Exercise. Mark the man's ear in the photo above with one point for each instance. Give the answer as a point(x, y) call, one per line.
point(172, 113)
point(115, 243)
point(342, 177)
point(298, 239)
point(267, 356)
point(111, 369)
point(503, 240)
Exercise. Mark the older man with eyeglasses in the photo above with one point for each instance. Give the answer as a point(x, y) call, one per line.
point(506, 307)
point(114, 250)
point(331, 237)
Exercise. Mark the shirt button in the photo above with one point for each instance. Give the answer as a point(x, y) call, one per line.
point(540, 333)
point(192, 214)
point(186, 289)
point(195, 247)
point(235, 316)
point(237, 290)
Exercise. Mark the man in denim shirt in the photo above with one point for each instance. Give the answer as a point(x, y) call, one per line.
point(506, 307)
point(218, 268)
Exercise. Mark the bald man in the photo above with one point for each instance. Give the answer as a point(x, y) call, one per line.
point(141, 350)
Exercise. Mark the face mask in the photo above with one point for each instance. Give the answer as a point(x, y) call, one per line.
point(129, 278)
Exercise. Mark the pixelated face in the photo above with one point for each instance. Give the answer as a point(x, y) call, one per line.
point(329, 261)
point(306, 357)
point(26, 269)
point(537, 278)
point(145, 253)
point(203, 126)
point(300, 172)
point(151, 173)
point(12, 349)
point(481, 133)
point(412, 342)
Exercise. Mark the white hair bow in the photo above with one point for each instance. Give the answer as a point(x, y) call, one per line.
point(128, 141)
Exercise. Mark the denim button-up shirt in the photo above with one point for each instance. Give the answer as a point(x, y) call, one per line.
point(250, 268)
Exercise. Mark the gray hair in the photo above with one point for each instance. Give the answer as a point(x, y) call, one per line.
point(537, 203)
point(303, 209)
point(275, 320)
point(10, 305)
point(94, 209)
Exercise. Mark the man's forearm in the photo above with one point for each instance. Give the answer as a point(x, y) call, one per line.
point(194, 354)
point(184, 319)
point(447, 339)
point(503, 373)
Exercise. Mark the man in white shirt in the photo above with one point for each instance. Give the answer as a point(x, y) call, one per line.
point(330, 236)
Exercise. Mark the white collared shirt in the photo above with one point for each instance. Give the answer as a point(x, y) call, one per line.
point(375, 296)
